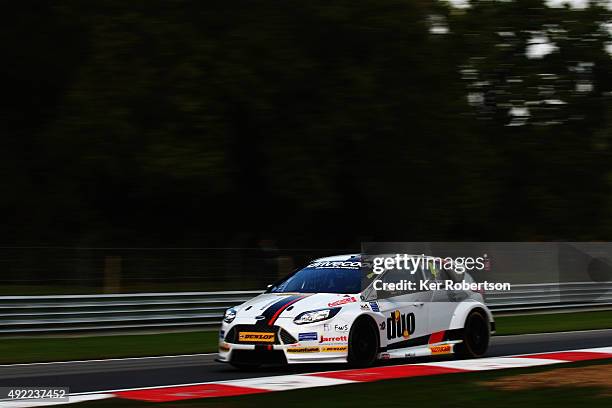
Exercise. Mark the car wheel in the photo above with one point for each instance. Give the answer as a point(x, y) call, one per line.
point(363, 343)
point(475, 337)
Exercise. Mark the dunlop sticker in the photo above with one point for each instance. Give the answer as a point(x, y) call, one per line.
point(256, 337)
point(334, 349)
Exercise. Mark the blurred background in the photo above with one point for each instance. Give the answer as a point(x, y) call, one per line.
point(189, 145)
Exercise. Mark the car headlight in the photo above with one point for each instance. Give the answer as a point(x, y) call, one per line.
point(316, 315)
point(230, 315)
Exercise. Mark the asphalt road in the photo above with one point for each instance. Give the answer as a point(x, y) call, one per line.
point(104, 375)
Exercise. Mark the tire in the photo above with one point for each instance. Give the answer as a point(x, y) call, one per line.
point(363, 343)
point(475, 336)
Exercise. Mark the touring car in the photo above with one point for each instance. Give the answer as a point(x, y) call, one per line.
point(329, 312)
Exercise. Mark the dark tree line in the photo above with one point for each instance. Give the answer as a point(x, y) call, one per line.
point(318, 123)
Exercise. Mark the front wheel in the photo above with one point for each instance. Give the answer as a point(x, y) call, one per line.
point(363, 343)
point(475, 337)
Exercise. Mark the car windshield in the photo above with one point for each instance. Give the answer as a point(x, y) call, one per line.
point(323, 277)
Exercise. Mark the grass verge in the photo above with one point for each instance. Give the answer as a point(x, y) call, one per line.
point(553, 322)
point(25, 350)
point(38, 349)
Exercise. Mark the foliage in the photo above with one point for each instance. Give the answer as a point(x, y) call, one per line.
point(311, 123)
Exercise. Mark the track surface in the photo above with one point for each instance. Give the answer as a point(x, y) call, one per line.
point(146, 372)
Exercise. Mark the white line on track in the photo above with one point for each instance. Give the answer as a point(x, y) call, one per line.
point(548, 333)
point(106, 359)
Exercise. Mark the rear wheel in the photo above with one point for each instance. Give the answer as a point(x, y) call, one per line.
point(363, 343)
point(475, 337)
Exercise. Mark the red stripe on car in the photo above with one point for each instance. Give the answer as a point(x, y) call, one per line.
point(279, 311)
point(436, 337)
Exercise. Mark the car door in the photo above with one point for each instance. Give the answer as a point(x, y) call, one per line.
point(443, 302)
point(406, 311)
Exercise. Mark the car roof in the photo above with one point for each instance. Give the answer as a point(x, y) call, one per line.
point(348, 257)
point(352, 257)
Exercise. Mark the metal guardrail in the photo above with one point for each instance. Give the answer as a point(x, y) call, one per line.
point(77, 313)
point(21, 315)
point(526, 298)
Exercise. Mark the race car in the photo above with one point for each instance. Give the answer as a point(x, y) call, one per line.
point(329, 312)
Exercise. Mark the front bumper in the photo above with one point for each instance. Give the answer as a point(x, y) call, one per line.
point(286, 348)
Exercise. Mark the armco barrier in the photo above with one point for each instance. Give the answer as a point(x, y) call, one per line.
point(21, 315)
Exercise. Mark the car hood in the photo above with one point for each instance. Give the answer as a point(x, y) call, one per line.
point(295, 303)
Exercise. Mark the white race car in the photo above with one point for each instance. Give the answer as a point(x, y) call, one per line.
point(325, 313)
